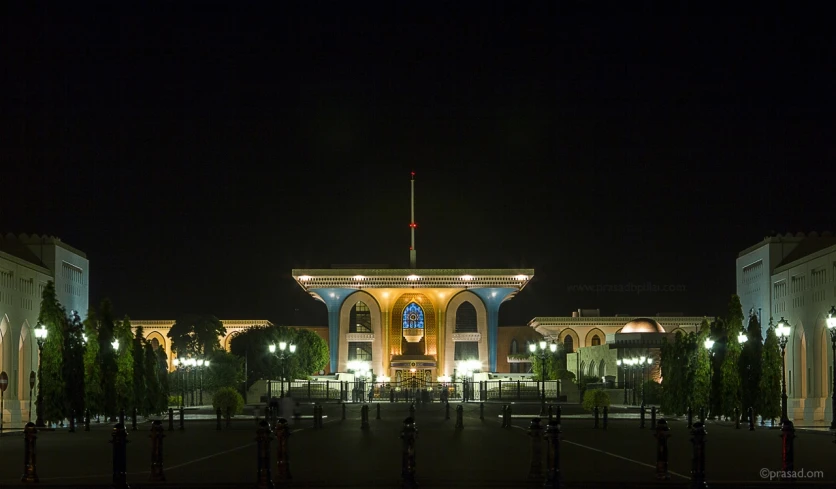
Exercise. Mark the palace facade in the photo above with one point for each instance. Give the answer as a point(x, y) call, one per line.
point(412, 322)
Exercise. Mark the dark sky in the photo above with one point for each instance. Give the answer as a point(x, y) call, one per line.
point(199, 152)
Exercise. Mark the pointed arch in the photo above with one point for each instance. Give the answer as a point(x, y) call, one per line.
point(26, 361)
point(375, 321)
point(602, 368)
point(591, 334)
point(570, 340)
point(453, 307)
point(5, 343)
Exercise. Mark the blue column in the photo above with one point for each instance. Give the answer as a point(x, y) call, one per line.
point(492, 298)
point(333, 299)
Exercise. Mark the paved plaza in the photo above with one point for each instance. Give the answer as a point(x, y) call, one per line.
point(481, 455)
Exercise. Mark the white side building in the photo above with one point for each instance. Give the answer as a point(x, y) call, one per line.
point(794, 277)
point(27, 263)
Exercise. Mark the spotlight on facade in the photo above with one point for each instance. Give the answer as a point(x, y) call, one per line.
point(412, 278)
point(305, 278)
point(467, 278)
point(522, 278)
point(359, 277)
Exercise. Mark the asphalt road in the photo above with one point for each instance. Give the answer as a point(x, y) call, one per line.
point(482, 454)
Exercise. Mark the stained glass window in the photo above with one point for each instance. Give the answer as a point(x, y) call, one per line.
point(413, 317)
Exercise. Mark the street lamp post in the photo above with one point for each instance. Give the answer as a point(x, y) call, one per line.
point(182, 366)
point(542, 353)
point(284, 352)
point(646, 362)
point(40, 336)
point(742, 338)
point(623, 365)
point(201, 364)
point(783, 333)
point(831, 328)
point(709, 345)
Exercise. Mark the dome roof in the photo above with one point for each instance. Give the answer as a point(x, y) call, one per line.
point(643, 325)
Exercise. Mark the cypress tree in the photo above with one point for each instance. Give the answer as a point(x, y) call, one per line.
point(93, 393)
point(52, 393)
point(162, 376)
point(750, 365)
point(108, 358)
point(124, 365)
point(701, 368)
point(717, 332)
point(730, 376)
point(151, 369)
point(74, 365)
point(769, 387)
point(140, 380)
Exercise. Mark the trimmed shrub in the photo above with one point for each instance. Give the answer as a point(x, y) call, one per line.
point(595, 397)
point(229, 400)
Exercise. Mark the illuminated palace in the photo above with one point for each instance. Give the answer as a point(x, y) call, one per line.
point(412, 322)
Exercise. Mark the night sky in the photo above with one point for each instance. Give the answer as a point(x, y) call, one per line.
point(199, 153)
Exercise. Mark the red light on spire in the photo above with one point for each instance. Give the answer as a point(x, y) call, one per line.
point(413, 225)
point(413, 174)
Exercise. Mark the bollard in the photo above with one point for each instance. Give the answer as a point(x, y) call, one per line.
point(690, 418)
point(460, 417)
point(535, 432)
point(182, 419)
point(391, 395)
point(446, 410)
point(551, 413)
point(30, 466)
point(558, 413)
point(553, 455)
point(263, 438)
point(606, 415)
point(122, 417)
point(408, 437)
point(641, 416)
point(698, 461)
point(72, 421)
point(702, 415)
point(228, 417)
point(751, 419)
point(596, 416)
point(787, 448)
point(133, 420)
point(157, 436)
point(364, 417)
point(170, 419)
point(663, 432)
point(377, 415)
point(343, 410)
point(87, 420)
point(412, 410)
point(282, 454)
point(505, 416)
point(510, 416)
point(120, 456)
point(218, 419)
point(653, 417)
point(737, 418)
point(482, 411)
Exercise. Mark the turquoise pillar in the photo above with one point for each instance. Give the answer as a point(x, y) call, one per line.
point(333, 299)
point(493, 298)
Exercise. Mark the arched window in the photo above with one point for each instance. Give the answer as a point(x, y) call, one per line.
point(602, 369)
point(360, 319)
point(514, 347)
point(592, 372)
point(466, 318)
point(413, 317)
point(568, 344)
point(596, 340)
